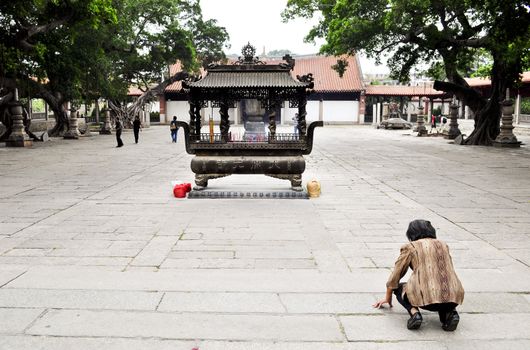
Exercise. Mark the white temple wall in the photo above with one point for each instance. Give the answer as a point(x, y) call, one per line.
point(345, 112)
point(340, 112)
point(209, 111)
point(311, 109)
point(180, 109)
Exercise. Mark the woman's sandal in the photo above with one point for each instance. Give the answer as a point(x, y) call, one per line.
point(414, 321)
point(451, 321)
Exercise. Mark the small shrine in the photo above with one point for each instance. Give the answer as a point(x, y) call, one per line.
point(262, 89)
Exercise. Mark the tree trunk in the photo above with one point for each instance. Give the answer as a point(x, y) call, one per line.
point(487, 120)
point(127, 112)
point(59, 112)
point(487, 112)
point(5, 116)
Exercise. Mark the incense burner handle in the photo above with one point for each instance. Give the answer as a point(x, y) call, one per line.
point(309, 137)
point(185, 126)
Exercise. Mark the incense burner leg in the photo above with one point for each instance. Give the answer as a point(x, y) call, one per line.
point(296, 180)
point(201, 180)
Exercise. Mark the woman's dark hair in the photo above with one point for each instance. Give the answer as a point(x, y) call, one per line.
point(419, 229)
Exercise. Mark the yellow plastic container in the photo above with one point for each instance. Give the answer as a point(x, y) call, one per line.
point(313, 188)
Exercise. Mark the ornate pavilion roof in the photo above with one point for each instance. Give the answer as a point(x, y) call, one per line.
point(249, 73)
point(248, 79)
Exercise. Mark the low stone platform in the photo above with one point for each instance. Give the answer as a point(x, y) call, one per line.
point(206, 194)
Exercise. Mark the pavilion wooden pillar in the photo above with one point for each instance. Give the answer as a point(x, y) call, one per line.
point(224, 124)
point(195, 117)
point(302, 112)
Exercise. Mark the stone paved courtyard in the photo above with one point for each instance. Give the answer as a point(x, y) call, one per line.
point(95, 253)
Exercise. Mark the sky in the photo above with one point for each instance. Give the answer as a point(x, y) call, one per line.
point(260, 23)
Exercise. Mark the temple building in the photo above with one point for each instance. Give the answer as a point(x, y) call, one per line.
point(335, 100)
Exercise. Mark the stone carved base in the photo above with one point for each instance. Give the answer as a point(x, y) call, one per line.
point(209, 194)
point(19, 142)
point(71, 135)
point(452, 133)
point(507, 143)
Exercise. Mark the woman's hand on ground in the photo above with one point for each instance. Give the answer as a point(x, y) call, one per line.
point(382, 302)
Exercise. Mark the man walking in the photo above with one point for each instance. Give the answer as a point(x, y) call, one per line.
point(137, 125)
point(174, 129)
point(119, 129)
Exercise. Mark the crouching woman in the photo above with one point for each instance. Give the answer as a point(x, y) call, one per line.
point(433, 284)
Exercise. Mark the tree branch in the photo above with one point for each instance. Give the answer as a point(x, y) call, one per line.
point(25, 32)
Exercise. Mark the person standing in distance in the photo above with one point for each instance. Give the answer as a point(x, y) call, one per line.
point(119, 129)
point(174, 129)
point(137, 125)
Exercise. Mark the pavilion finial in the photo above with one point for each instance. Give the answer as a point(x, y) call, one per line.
point(248, 51)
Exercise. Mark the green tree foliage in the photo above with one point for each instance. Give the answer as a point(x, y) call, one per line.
point(71, 50)
point(37, 40)
point(279, 53)
point(423, 31)
point(525, 105)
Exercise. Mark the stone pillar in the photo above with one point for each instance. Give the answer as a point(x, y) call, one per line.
point(362, 107)
point(73, 131)
point(409, 112)
point(420, 122)
point(517, 108)
point(106, 129)
point(431, 108)
point(46, 111)
point(321, 110)
point(375, 111)
point(30, 108)
point(385, 111)
point(162, 100)
point(18, 137)
point(506, 137)
point(454, 131)
point(97, 110)
point(147, 118)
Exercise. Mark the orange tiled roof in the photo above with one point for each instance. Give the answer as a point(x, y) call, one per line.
point(174, 69)
point(134, 91)
point(326, 79)
point(476, 82)
point(401, 90)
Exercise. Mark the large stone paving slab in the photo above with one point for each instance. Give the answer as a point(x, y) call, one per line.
point(96, 253)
